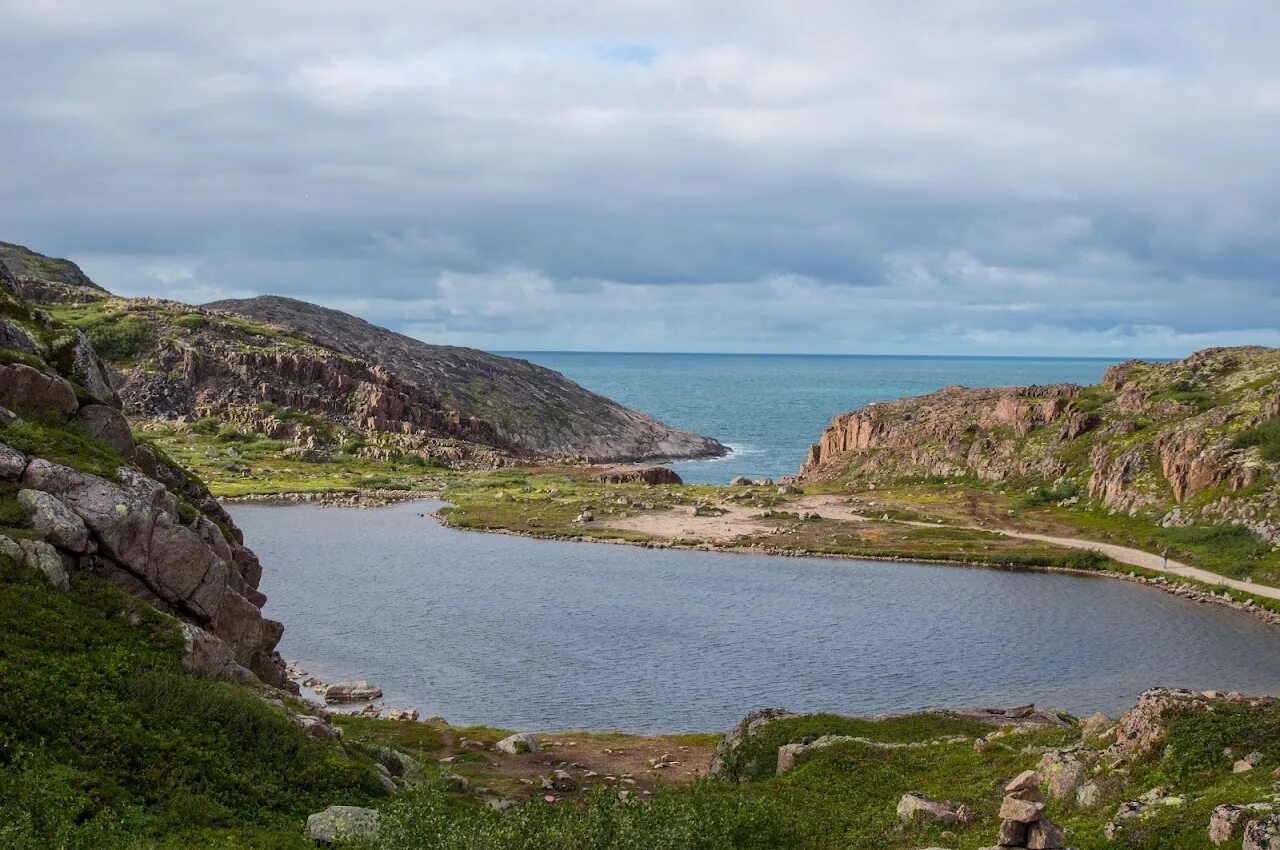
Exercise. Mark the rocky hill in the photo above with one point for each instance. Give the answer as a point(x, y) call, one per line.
point(529, 407)
point(319, 378)
point(1197, 440)
point(79, 493)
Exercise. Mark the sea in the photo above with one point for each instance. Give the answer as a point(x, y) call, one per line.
point(768, 408)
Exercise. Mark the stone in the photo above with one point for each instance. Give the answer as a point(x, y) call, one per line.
point(1262, 834)
point(109, 426)
point(341, 824)
point(317, 727)
point(649, 475)
point(89, 371)
point(1023, 811)
point(1012, 834)
point(520, 742)
point(919, 807)
point(1028, 780)
point(789, 754)
point(360, 691)
point(1094, 725)
point(1241, 766)
point(789, 490)
point(402, 713)
point(39, 555)
point(1044, 834)
point(1089, 794)
point(1064, 771)
point(12, 463)
point(1227, 822)
point(740, 481)
point(586, 516)
point(55, 522)
point(205, 652)
point(24, 388)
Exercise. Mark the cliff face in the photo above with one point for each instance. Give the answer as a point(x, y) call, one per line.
point(1180, 441)
point(77, 492)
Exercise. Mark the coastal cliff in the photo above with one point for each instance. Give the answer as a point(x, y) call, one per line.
point(1196, 440)
point(317, 379)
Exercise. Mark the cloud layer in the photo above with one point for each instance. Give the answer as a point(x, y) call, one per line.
point(833, 177)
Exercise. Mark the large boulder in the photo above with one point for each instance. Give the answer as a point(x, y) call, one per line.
point(90, 372)
point(109, 426)
point(342, 824)
point(360, 691)
point(25, 388)
point(913, 807)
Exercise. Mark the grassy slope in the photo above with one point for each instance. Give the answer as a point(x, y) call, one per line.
point(106, 741)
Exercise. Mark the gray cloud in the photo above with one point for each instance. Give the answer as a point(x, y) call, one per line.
point(1013, 176)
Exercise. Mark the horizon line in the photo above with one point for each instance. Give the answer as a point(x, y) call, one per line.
point(1115, 359)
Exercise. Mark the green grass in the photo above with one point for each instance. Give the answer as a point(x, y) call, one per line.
point(62, 442)
point(1265, 436)
point(105, 741)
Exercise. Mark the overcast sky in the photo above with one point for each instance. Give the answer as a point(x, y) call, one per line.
point(959, 177)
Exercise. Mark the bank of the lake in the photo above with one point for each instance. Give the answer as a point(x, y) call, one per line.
point(528, 633)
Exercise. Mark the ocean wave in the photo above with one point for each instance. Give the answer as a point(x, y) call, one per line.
point(736, 450)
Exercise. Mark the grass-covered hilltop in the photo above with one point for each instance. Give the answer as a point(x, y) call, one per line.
point(143, 704)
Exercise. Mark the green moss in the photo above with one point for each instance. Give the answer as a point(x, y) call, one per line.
point(62, 442)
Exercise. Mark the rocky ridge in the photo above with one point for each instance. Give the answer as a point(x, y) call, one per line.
point(88, 496)
point(1180, 442)
point(318, 378)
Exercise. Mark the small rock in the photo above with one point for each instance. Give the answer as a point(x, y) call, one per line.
point(339, 824)
point(360, 691)
point(520, 742)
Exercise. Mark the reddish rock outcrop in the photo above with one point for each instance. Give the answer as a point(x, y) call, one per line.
point(149, 528)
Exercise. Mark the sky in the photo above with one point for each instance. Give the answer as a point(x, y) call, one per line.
point(985, 177)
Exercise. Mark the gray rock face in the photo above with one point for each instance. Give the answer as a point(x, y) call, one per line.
point(341, 824)
point(39, 555)
point(55, 522)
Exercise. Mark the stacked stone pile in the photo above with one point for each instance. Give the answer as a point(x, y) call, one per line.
point(1023, 824)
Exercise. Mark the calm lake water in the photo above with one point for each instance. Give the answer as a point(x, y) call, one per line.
point(530, 634)
point(770, 407)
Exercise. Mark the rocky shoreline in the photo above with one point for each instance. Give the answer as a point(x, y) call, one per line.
point(354, 499)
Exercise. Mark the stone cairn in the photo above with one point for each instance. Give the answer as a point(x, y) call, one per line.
point(1023, 824)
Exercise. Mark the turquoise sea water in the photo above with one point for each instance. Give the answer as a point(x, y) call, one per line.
point(769, 408)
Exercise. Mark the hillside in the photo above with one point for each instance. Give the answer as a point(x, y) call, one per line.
point(530, 407)
point(1193, 442)
point(318, 380)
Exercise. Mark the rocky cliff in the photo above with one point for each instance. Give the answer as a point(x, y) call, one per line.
point(1194, 440)
point(530, 407)
point(293, 371)
point(78, 492)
